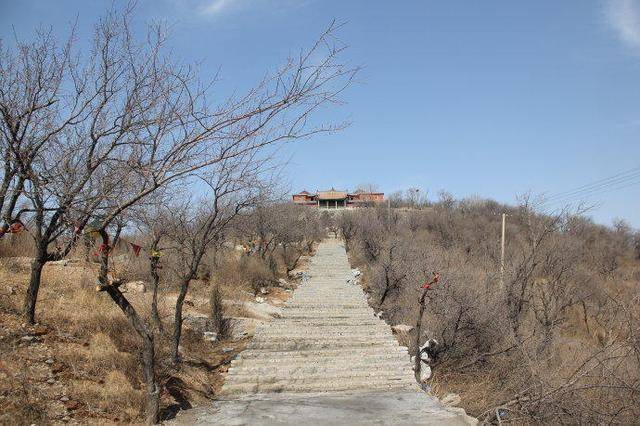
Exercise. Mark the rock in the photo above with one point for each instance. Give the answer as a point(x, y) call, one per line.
point(356, 272)
point(11, 290)
point(51, 381)
point(133, 287)
point(210, 336)
point(282, 282)
point(296, 273)
point(28, 339)
point(451, 400)
point(425, 387)
point(402, 328)
point(63, 262)
point(264, 290)
point(425, 357)
point(425, 372)
point(198, 323)
point(260, 299)
point(379, 314)
point(49, 361)
point(227, 350)
point(64, 398)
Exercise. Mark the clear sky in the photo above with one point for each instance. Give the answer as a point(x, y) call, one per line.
point(487, 98)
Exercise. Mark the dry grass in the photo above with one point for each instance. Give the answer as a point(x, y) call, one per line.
point(95, 353)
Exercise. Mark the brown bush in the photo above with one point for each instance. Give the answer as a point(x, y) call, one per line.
point(540, 341)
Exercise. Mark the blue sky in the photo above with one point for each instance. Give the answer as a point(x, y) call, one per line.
point(491, 98)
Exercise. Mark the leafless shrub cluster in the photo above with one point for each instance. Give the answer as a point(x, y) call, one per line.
point(555, 342)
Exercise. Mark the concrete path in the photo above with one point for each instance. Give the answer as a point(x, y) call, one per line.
point(328, 360)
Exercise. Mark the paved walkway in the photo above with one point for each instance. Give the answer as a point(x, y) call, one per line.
point(328, 360)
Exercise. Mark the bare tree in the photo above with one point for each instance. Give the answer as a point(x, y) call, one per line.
point(234, 186)
point(113, 129)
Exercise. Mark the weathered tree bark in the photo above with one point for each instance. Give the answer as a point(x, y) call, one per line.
point(34, 285)
point(155, 316)
point(184, 288)
point(177, 323)
point(148, 344)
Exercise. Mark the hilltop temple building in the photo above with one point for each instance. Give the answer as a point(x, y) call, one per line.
point(333, 199)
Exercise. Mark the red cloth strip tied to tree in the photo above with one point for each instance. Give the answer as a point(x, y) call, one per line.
point(136, 249)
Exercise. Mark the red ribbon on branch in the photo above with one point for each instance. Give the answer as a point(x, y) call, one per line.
point(434, 280)
point(103, 248)
point(136, 249)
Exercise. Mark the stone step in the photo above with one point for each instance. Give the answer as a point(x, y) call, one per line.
point(321, 322)
point(319, 366)
point(352, 362)
point(321, 385)
point(277, 376)
point(371, 332)
point(316, 344)
point(276, 356)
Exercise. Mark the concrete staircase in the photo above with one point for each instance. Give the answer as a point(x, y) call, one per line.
point(328, 358)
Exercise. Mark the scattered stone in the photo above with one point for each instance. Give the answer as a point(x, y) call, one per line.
point(379, 314)
point(425, 372)
point(11, 290)
point(51, 381)
point(296, 273)
point(356, 272)
point(199, 323)
point(134, 287)
point(63, 262)
point(210, 336)
point(227, 350)
point(282, 282)
point(264, 290)
point(64, 398)
point(28, 339)
point(260, 299)
point(402, 328)
point(49, 361)
point(451, 400)
point(66, 419)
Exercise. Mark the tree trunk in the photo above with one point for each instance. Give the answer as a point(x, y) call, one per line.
point(177, 323)
point(34, 285)
point(148, 344)
point(155, 316)
point(148, 352)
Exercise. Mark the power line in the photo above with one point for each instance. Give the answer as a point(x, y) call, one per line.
point(602, 183)
point(616, 182)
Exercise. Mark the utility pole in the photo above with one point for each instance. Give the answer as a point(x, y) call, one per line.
point(504, 222)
